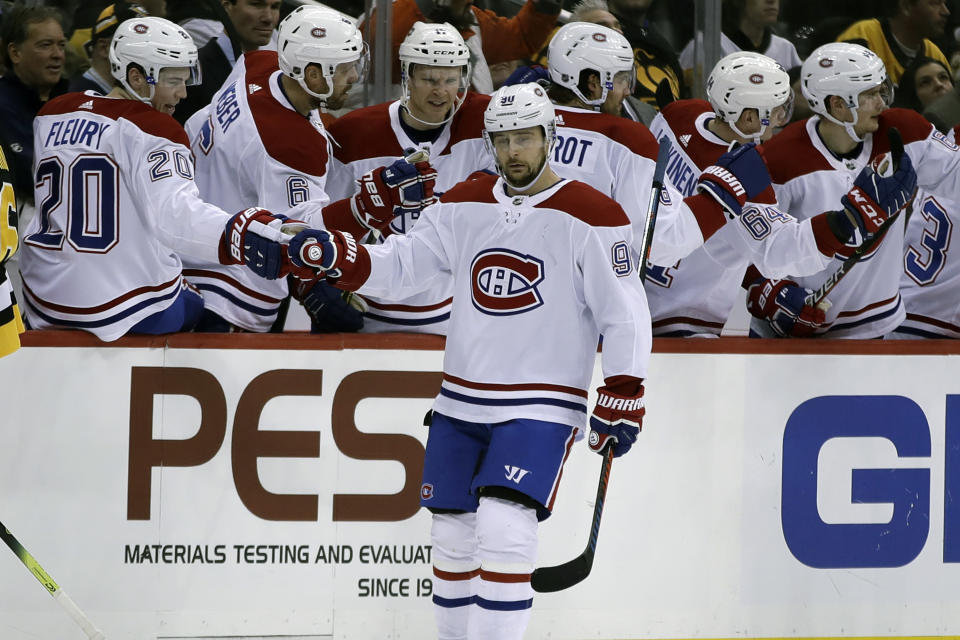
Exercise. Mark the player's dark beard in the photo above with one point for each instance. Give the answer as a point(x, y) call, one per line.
point(529, 178)
point(460, 22)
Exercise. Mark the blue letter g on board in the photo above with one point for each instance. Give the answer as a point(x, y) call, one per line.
point(891, 544)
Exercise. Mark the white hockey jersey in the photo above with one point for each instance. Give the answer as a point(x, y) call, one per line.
point(930, 282)
point(809, 179)
point(373, 137)
point(695, 295)
point(537, 279)
point(252, 148)
point(116, 204)
point(617, 156)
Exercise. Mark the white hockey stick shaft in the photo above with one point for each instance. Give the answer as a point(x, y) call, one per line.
point(51, 586)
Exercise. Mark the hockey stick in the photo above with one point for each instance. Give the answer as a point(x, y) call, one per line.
point(58, 594)
point(818, 297)
point(564, 576)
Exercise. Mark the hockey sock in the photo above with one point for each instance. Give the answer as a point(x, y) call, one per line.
point(507, 537)
point(456, 570)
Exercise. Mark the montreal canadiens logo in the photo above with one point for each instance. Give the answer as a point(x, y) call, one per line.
point(826, 63)
point(315, 253)
point(505, 282)
point(426, 491)
point(600, 37)
point(318, 32)
point(756, 78)
point(141, 28)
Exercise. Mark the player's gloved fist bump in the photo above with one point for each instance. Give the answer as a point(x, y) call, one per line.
point(319, 249)
point(737, 176)
point(618, 415)
point(253, 237)
point(782, 304)
point(875, 196)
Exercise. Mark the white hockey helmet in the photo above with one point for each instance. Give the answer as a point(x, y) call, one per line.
point(435, 45)
point(153, 44)
point(749, 80)
point(320, 36)
point(584, 46)
point(520, 106)
point(845, 70)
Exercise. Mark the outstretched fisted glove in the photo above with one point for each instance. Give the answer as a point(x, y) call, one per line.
point(389, 191)
point(331, 254)
point(876, 197)
point(737, 176)
point(253, 238)
point(782, 304)
point(618, 416)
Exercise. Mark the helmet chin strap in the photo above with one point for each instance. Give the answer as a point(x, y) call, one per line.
point(525, 188)
point(405, 103)
point(322, 97)
point(847, 126)
point(749, 136)
point(409, 111)
point(148, 99)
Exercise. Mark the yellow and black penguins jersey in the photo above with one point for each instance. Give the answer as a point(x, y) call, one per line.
point(875, 35)
point(11, 326)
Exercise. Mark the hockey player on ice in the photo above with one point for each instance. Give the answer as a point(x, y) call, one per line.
point(541, 267)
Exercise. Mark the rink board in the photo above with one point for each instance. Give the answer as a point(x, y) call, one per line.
point(183, 489)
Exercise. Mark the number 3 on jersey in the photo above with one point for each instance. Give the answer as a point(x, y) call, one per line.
point(924, 263)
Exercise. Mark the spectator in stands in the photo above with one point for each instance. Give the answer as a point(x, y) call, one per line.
point(252, 25)
point(98, 77)
point(903, 33)
point(85, 19)
point(197, 18)
point(34, 54)
point(748, 26)
point(490, 38)
point(656, 59)
point(944, 112)
point(922, 83)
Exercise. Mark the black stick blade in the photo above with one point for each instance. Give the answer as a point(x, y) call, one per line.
point(562, 576)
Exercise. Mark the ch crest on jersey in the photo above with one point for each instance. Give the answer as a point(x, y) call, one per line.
point(504, 282)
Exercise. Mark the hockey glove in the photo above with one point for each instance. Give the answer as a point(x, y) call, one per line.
point(330, 309)
point(253, 237)
point(389, 191)
point(532, 73)
point(333, 254)
point(737, 176)
point(781, 303)
point(874, 197)
point(618, 416)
